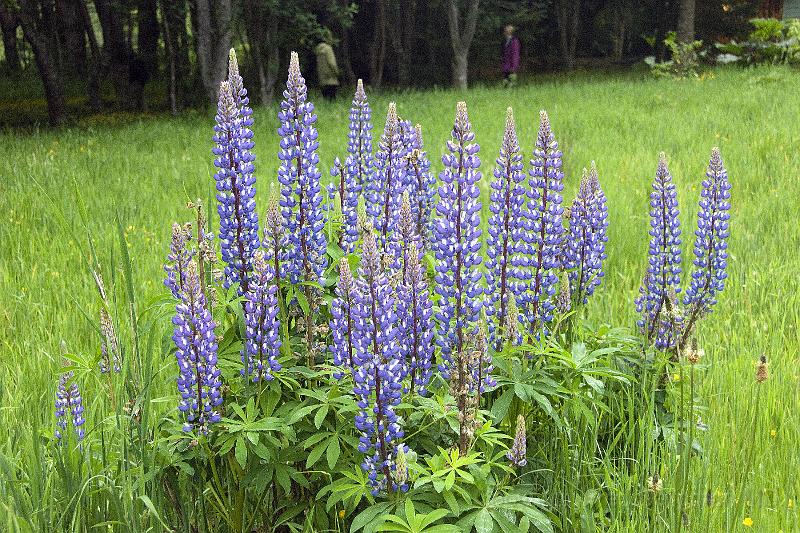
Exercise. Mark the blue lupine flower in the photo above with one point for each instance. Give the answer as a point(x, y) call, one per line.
point(404, 235)
point(386, 188)
point(457, 245)
point(416, 322)
point(358, 167)
point(584, 249)
point(711, 242)
point(378, 372)
point(179, 256)
point(504, 274)
point(198, 376)
point(657, 301)
point(420, 182)
point(543, 229)
point(69, 407)
point(343, 316)
point(301, 194)
point(262, 342)
point(238, 225)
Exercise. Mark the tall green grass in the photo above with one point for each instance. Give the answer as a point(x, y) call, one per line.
point(58, 188)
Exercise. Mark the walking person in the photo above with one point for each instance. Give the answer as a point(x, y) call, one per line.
point(511, 47)
point(327, 69)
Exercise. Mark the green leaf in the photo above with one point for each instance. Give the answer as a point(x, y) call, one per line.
point(369, 515)
point(484, 522)
point(320, 416)
point(334, 450)
point(241, 451)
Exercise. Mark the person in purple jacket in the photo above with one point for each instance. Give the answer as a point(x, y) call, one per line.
point(511, 48)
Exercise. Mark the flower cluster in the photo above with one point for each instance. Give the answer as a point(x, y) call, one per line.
point(386, 188)
point(238, 231)
point(658, 295)
point(301, 194)
point(503, 272)
point(416, 322)
point(542, 238)
point(584, 249)
point(262, 342)
point(198, 376)
point(518, 452)
point(69, 407)
point(343, 315)
point(420, 181)
point(358, 169)
point(457, 245)
point(378, 371)
point(179, 256)
point(711, 240)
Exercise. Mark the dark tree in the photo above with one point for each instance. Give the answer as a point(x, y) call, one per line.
point(378, 49)
point(8, 25)
point(568, 17)
point(461, 38)
point(213, 41)
point(685, 33)
point(402, 33)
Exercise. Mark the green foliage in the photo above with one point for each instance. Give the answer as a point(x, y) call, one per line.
point(685, 60)
point(772, 41)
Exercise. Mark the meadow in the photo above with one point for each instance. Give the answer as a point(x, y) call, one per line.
point(69, 195)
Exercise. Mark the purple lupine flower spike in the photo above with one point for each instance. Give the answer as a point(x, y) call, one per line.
point(378, 372)
point(238, 226)
point(418, 329)
point(517, 455)
point(505, 267)
point(422, 182)
point(69, 408)
point(198, 376)
point(584, 250)
point(543, 235)
point(299, 176)
point(358, 167)
point(262, 342)
point(457, 245)
point(386, 188)
point(343, 317)
point(179, 256)
point(660, 320)
point(710, 244)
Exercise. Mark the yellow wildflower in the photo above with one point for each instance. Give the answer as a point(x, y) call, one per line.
point(773, 433)
point(747, 522)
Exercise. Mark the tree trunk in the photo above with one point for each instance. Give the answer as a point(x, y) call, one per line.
point(402, 31)
point(71, 37)
point(213, 42)
point(169, 47)
point(8, 25)
point(116, 51)
point(261, 28)
point(568, 15)
point(686, 21)
point(378, 57)
point(148, 34)
point(461, 39)
point(771, 9)
point(35, 30)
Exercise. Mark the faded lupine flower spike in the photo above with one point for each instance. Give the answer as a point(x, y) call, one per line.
point(519, 449)
point(198, 376)
point(584, 250)
point(238, 226)
point(177, 260)
point(377, 371)
point(109, 346)
point(385, 190)
point(544, 231)
point(710, 244)
point(504, 262)
point(762, 370)
point(660, 322)
point(69, 408)
point(301, 193)
point(262, 341)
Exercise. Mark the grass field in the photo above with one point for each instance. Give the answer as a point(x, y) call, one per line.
point(144, 171)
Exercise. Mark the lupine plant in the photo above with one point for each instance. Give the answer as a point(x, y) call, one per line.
point(444, 383)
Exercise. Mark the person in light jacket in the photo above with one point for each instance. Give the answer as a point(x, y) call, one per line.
point(510, 57)
point(327, 69)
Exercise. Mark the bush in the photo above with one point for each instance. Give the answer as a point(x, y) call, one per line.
point(772, 41)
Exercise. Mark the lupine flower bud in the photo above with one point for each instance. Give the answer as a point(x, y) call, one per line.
point(301, 193)
point(584, 250)
point(273, 235)
point(711, 242)
point(177, 260)
point(693, 353)
point(342, 313)
point(262, 342)
point(518, 452)
point(457, 245)
point(198, 376)
point(762, 371)
point(378, 372)
point(109, 346)
point(420, 181)
point(69, 406)
point(656, 302)
point(400, 471)
point(544, 230)
point(386, 189)
point(511, 332)
point(564, 298)
point(504, 264)
point(238, 226)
